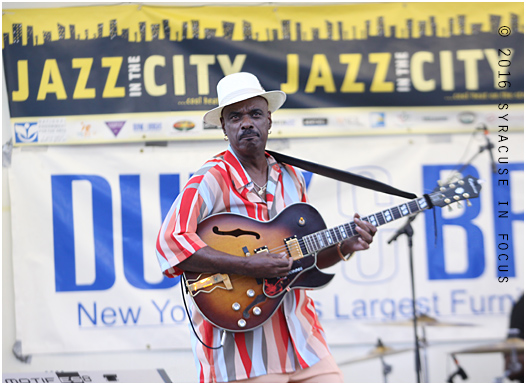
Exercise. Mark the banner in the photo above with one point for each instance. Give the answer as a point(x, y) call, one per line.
point(85, 221)
point(142, 73)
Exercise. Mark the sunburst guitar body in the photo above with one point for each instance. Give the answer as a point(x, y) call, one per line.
point(240, 303)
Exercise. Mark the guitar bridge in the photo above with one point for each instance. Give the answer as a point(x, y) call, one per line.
point(294, 248)
point(195, 287)
point(263, 249)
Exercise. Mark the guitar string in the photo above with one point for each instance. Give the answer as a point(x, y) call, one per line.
point(284, 248)
point(278, 249)
point(303, 243)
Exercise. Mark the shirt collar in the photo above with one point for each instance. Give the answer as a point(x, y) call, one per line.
point(239, 175)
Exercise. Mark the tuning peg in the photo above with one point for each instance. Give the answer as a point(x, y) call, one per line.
point(468, 202)
point(459, 205)
point(449, 208)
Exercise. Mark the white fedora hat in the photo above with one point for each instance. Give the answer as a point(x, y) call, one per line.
point(241, 86)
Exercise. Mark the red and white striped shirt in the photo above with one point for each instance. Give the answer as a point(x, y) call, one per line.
point(293, 335)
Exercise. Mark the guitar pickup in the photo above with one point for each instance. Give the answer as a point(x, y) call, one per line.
point(263, 249)
point(294, 248)
point(210, 281)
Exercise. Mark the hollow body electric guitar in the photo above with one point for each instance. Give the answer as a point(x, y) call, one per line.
point(241, 303)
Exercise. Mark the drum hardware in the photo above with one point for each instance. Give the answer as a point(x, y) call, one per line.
point(380, 351)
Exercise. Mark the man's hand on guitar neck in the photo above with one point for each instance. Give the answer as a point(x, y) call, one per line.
point(362, 241)
point(261, 265)
point(366, 232)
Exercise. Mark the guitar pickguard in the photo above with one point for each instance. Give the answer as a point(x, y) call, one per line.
point(273, 287)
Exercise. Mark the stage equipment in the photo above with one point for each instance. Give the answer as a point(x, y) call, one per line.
point(380, 351)
point(460, 371)
point(425, 320)
point(407, 229)
point(507, 346)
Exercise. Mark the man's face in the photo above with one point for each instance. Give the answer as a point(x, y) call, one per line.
point(247, 124)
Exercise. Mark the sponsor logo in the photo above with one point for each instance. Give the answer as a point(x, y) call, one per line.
point(85, 129)
point(434, 118)
point(350, 121)
point(377, 119)
point(315, 121)
point(184, 125)
point(155, 126)
point(284, 122)
point(26, 132)
point(115, 127)
point(466, 117)
point(207, 126)
point(404, 117)
point(152, 126)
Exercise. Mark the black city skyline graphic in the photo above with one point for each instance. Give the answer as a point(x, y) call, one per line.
point(333, 30)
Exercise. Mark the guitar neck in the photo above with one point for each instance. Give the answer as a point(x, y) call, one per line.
point(329, 237)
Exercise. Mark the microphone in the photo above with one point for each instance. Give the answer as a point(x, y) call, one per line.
point(460, 372)
point(488, 147)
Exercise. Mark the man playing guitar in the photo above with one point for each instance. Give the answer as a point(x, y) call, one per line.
point(290, 345)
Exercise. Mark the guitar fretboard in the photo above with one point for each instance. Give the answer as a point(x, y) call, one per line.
point(329, 237)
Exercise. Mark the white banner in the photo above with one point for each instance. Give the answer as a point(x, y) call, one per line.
point(287, 123)
point(85, 221)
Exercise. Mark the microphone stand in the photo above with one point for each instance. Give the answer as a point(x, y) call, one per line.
point(488, 146)
point(408, 230)
point(460, 372)
point(386, 369)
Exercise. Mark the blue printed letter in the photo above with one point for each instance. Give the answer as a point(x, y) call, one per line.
point(64, 233)
point(132, 236)
point(475, 241)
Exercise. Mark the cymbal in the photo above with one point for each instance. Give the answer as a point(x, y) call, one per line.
point(425, 320)
point(505, 346)
point(377, 352)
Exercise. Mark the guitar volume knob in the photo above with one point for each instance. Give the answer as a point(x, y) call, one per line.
point(256, 310)
point(251, 293)
point(236, 306)
point(241, 323)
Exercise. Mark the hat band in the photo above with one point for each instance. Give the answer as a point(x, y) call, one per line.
point(234, 95)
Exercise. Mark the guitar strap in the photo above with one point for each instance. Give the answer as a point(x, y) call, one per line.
point(342, 176)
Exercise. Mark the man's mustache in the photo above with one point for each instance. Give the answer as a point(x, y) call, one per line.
point(248, 133)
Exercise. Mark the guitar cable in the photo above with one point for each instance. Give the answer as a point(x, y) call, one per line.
point(192, 324)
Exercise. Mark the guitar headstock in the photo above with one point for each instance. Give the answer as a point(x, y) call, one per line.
point(463, 189)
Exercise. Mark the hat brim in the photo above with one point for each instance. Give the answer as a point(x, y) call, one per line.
point(275, 100)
